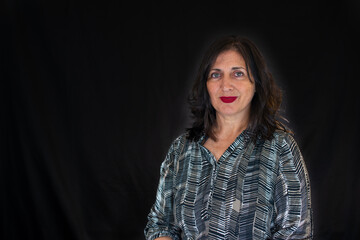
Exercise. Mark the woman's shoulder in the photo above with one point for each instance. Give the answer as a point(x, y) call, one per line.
point(180, 139)
point(179, 143)
point(285, 143)
point(283, 138)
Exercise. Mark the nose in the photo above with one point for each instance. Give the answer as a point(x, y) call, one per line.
point(226, 84)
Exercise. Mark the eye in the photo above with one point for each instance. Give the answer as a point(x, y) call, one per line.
point(239, 74)
point(215, 75)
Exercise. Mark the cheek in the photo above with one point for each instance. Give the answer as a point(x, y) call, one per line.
point(247, 93)
point(248, 89)
point(251, 90)
point(211, 89)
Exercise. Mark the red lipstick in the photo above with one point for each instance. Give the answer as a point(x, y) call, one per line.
point(229, 99)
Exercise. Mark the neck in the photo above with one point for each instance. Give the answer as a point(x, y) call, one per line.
point(229, 127)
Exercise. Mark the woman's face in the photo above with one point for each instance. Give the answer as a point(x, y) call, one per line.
point(229, 86)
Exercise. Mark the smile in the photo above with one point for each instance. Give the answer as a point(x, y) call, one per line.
point(228, 99)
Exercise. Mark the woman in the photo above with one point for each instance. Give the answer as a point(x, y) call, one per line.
point(237, 173)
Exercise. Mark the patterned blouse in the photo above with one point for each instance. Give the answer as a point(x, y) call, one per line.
point(256, 190)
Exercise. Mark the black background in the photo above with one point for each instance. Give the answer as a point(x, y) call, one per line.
point(93, 93)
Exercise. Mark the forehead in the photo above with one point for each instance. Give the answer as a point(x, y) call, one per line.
point(231, 57)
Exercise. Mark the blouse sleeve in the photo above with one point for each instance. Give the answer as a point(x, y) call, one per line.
point(292, 195)
point(161, 218)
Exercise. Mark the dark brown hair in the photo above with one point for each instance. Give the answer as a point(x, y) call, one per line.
point(264, 111)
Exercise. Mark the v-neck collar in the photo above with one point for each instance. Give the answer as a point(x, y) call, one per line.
point(240, 142)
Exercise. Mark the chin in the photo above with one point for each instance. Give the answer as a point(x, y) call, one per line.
point(227, 113)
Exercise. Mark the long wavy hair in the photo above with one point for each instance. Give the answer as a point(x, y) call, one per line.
point(264, 112)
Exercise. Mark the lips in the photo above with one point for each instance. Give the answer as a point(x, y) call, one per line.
point(229, 99)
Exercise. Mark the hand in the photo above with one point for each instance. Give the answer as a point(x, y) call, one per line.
point(163, 238)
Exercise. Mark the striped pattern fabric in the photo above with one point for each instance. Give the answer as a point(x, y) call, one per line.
point(256, 190)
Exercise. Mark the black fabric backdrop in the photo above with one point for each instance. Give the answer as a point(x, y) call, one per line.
point(93, 93)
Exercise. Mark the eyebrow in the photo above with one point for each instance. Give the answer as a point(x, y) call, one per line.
point(233, 68)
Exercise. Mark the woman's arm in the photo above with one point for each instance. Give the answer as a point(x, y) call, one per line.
point(292, 195)
point(163, 238)
point(160, 218)
point(161, 224)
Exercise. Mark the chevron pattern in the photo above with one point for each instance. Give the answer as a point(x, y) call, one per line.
point(256, 190)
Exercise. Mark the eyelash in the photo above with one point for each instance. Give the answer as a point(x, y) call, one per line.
point(242, 74)
point(212, 75)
